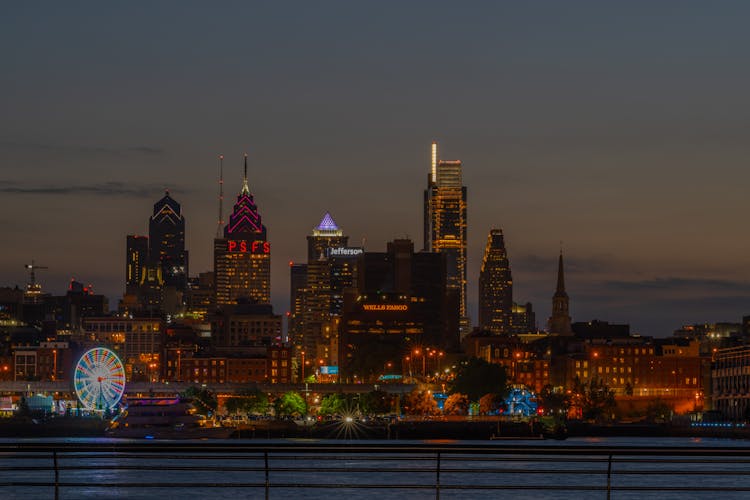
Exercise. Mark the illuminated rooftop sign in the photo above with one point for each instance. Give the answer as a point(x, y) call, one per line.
point(344, 251)
point(385, 307)
point(244, 246)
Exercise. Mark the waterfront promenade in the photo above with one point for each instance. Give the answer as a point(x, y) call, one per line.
point(626, 468)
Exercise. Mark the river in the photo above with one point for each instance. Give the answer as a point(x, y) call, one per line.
point(378, 469)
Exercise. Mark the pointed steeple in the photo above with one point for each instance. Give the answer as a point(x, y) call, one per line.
point(560, 276)
point(245, 187)
point(560, 322)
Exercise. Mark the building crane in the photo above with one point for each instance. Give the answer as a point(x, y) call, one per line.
point(32, 274)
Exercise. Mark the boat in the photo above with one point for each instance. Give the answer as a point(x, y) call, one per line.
point(163, 418)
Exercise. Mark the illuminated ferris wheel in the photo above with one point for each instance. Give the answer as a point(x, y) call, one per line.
point(99, 379)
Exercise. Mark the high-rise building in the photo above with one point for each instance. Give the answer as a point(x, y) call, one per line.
point(166, 231)
point(445, 224)
point(559, 322)
point(242, 258)
point(330, 269)
point(326, 235)
point(136, 260)
point(297, 288)
point(401, 303)
point(495, 286)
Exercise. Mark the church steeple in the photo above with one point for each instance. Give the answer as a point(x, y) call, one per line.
point(559, 322)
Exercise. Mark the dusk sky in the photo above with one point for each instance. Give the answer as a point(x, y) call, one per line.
point(620, 129)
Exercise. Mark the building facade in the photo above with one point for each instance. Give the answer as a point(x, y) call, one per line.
point(445, 228)
point(242, 258)
point(166, 239)
point(495, 286)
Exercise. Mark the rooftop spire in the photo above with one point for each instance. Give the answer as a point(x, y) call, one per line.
point(560, 275)
point(245, 187)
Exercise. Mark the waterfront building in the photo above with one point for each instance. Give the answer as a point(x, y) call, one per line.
point(137, 342)
point(445, 228)
point(731, 382)
point(495, 286)
point(559, 322)
point(401, 302)
point(48, 361)
point(242, 258)
point(166, 231)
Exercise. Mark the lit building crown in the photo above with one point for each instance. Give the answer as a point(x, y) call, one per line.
point(327, 227)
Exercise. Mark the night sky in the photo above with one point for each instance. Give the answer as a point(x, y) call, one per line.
point(620, 129)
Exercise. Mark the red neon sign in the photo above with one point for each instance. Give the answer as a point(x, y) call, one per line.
point(244, 246)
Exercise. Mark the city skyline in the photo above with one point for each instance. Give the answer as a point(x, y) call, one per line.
point(615, 129)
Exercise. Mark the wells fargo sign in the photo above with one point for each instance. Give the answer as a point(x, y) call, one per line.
point(385, 307)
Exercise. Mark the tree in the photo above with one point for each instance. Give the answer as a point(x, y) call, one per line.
point(476, 377)
point(456, 404)
point(419, 402)
point(290, 404)
point(596, 399)
point(553, 402)
point(489, 403)
point(203, 399)
point(375, 403)
point(331, 404)
point(658, 411)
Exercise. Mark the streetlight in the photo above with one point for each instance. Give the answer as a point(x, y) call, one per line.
point(303, 365)
point(54, 370)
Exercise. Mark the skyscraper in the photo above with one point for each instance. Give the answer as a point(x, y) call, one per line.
point(495, 286)
point(136, 260)
point(166, 231)
point(242, 258)
point(559, 322)
point(445, 223)
point(326, 235)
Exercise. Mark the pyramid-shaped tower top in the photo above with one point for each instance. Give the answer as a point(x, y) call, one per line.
point(245, 218)
point(327, 223)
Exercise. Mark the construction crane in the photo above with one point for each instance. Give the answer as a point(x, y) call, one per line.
point(32, 271)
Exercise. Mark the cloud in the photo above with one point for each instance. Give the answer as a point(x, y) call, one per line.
point(672, 284)
point(81, 149)
point(111, 188)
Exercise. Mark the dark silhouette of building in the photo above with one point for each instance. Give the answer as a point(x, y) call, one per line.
point(242, 258)
point(559, 322)
point(402, 301)
point(136, 259)
point(495, 286)
point(445, 224)
point(596, 329)
point(166, 231)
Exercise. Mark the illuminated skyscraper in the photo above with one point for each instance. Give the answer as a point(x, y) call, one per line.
point(559, 322)
point(445, 223)
point(136, 260)
point(242, 258)
point(166, 230)
point(495, 286)
point(326, 235)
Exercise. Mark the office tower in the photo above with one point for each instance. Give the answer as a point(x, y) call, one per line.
point(495, 286)
point(136, 259)
point(326, 235)
point(330, 268)
point(297, 289)
point(522, 318)
point(166, 231)
point(401, 302)
point(559, 322)
point(242, 258)
point(445, 224)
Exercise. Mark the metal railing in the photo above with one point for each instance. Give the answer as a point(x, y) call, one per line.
point(75, 470)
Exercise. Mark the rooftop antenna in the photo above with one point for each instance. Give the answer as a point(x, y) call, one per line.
point(245, 187)
point(221, 196)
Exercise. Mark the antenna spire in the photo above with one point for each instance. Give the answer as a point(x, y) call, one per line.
point(221, 196)
point(245, 187)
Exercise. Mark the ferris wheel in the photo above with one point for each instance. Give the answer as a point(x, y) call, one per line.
point(99, 379)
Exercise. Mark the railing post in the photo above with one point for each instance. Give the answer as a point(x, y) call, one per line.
point(437, 478)
point(609, 477)
point(57, 475)
point(268, 482)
